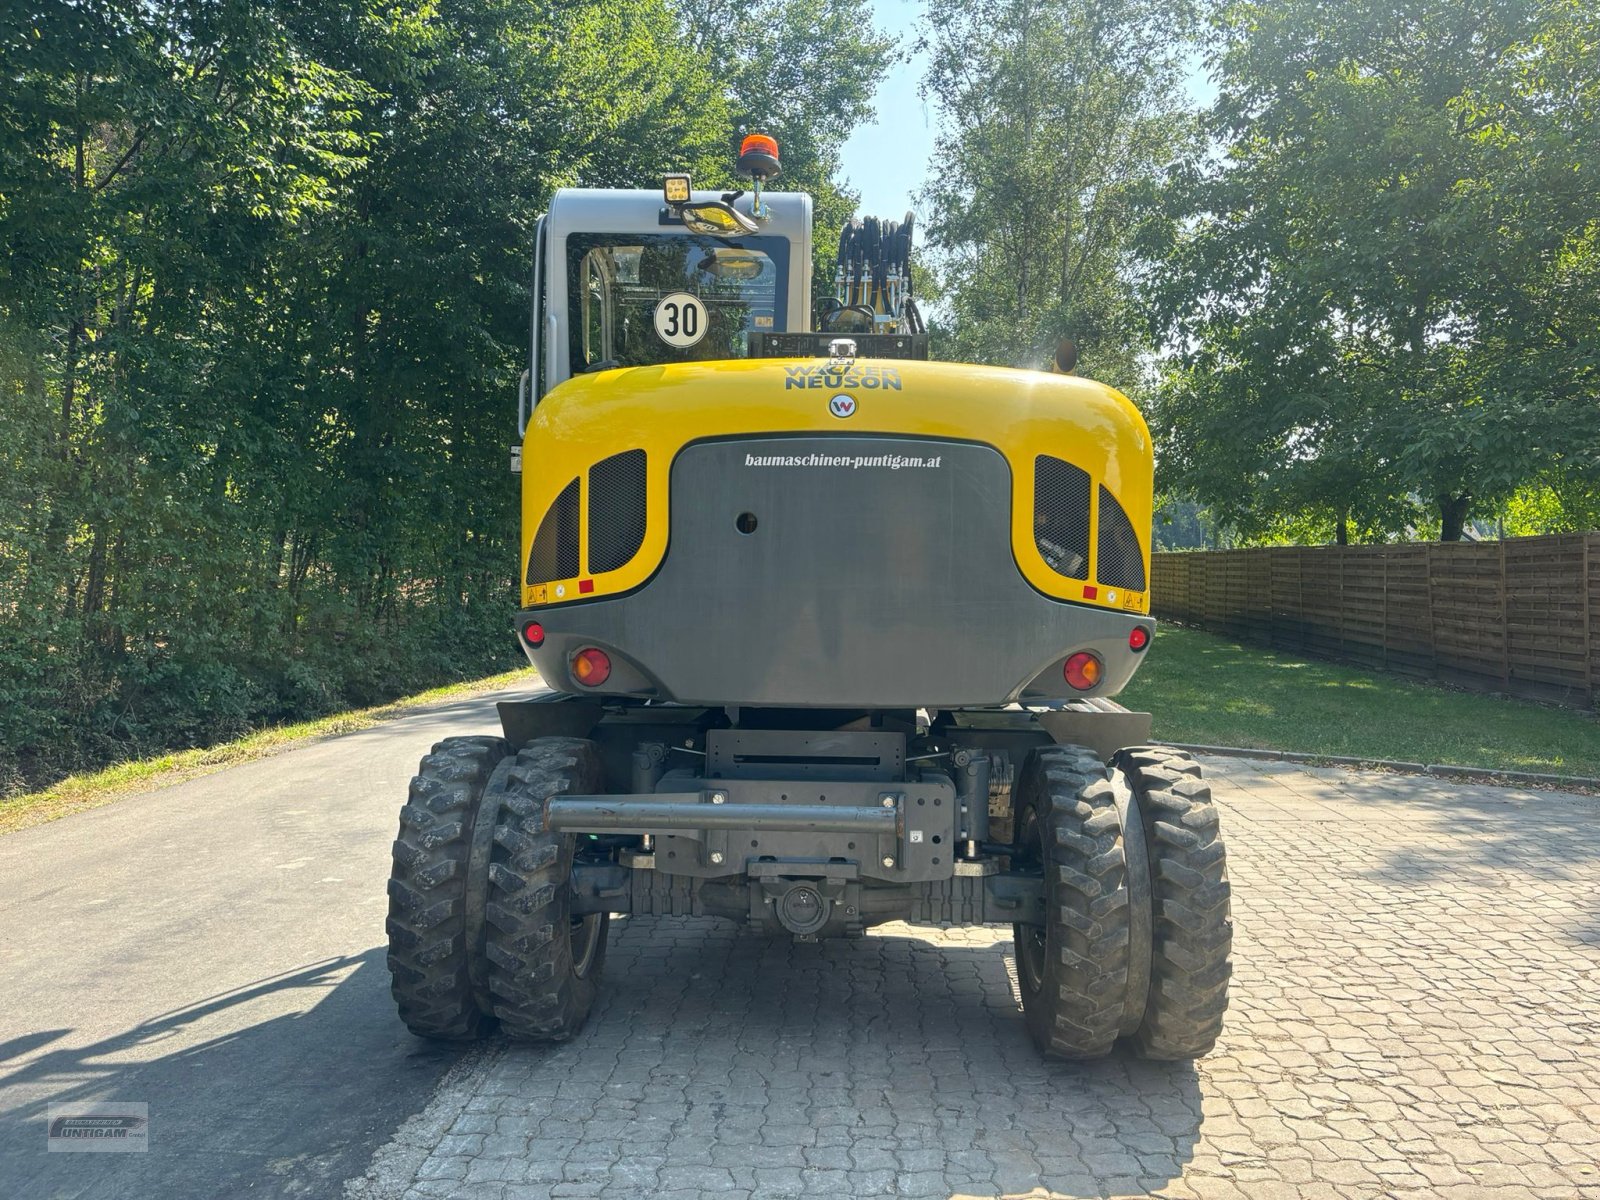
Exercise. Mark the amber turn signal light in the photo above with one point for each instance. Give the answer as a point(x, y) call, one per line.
point(1082, 670)
point(591, 667)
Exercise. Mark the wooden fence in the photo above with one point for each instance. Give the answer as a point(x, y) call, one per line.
point(1520, 616)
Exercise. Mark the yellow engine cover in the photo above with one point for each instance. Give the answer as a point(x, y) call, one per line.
point(660, 409)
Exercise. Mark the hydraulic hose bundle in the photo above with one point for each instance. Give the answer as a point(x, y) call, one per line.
point(872, 279)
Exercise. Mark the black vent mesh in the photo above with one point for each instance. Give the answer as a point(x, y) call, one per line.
point(1121, 559)
point(555, 546)
point(1061, 515)
point(616, 510)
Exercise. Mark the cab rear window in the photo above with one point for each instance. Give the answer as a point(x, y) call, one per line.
point(637, 300)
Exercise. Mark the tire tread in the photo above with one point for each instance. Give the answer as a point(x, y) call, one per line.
point(1192, 937)
point(428, 955)
point(1077, 1011)
point(535, 993)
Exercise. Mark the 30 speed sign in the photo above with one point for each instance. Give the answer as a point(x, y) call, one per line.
point(680, 319)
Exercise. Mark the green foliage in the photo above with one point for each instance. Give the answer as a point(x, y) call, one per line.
point(1056, 117)
point(1184, 525)
point(1381, 292)
point(263, 305)
point(1212, 691)
point(1560, 503)
point(805, 71)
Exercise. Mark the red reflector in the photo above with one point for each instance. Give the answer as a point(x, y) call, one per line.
point(592, 667)
point(585, 586)
point(1082, 670)
point(1090, 592)
point(1138, 638)
point(533, 634)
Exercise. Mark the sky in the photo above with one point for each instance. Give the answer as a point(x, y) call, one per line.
point(887, 159)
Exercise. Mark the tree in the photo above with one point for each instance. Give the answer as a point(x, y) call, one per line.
point(1372, 286)
point(263, 308)
point(804, 71)
point(1055, 120)
point(154, 158)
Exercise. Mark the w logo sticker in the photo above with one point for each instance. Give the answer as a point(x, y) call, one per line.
point(842, 406)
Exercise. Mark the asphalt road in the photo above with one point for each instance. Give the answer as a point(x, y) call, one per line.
point(215, 950)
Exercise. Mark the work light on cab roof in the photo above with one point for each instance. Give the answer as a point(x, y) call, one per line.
point(758, 159)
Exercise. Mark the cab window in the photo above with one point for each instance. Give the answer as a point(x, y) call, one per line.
point(642, 299)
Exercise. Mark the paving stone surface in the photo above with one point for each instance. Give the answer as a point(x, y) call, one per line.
point(1416, 1012)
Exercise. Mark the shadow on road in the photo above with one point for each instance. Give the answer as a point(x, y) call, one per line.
point(288, 1097)
point(1464, 833)
point(896, 1058)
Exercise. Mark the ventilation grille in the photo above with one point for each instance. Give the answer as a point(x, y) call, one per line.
point(555, 546)
point(1061, 516)
point(1120, 562)
point(616, 510)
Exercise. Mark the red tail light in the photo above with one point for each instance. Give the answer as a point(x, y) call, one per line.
point(591, 667)
point(1082, 670)
point(1138, 637)
point(533, 634)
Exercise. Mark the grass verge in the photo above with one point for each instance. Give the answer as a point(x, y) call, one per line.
point(1206, 689)
point(79, 792)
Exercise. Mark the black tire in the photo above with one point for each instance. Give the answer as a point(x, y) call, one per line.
point(1073, 974)
point(431, 906)
point(1192, 925)
point(544, 965)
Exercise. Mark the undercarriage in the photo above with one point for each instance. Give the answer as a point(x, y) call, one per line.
point(814, 823)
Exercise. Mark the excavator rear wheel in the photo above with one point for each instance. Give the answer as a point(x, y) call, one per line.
point(1137, 932)
point(1073, 971)
point(544, 963)
point(1192, 926)
point(435, 892)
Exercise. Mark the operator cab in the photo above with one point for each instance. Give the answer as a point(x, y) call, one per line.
point(629, 279)
point(633, 279)
point(640, 299)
